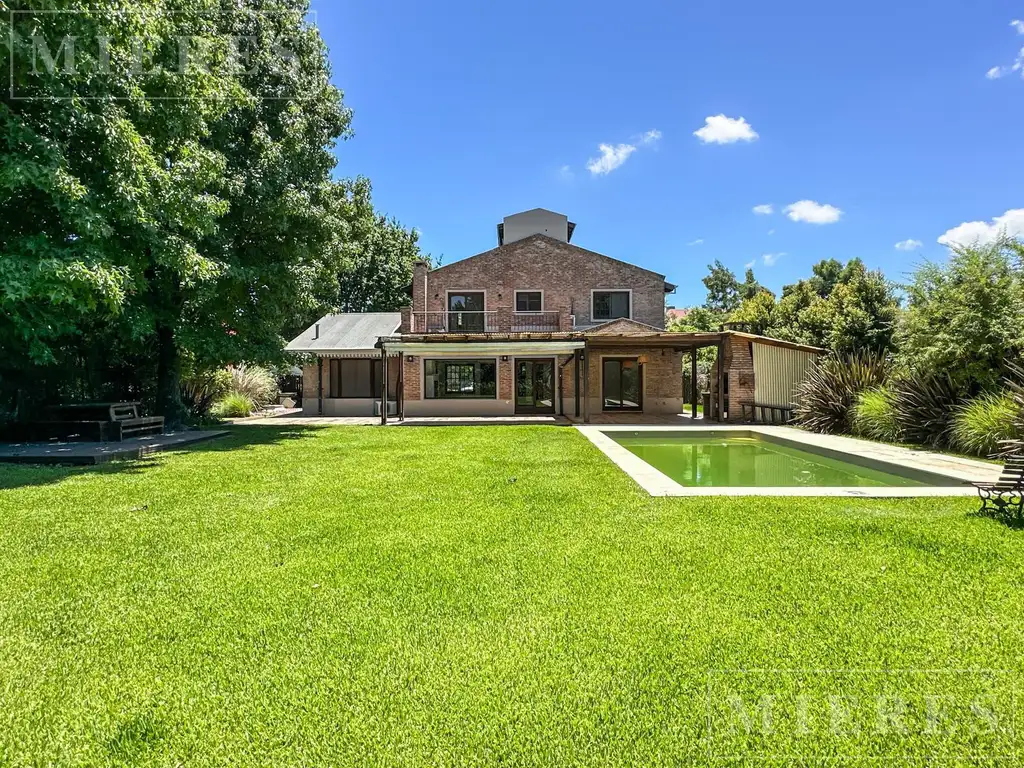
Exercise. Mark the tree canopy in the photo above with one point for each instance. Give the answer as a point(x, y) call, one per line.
point(967, 316)
point(160, 210)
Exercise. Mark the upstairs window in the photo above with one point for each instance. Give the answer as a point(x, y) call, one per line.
point(610, 305)
point(529, 301)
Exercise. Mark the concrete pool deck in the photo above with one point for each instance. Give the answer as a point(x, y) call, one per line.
point(891, 458)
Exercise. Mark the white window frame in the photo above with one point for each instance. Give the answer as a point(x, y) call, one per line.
point(515, 300)
point(596, 319)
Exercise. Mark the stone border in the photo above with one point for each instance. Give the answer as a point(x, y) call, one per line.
point(887, 458)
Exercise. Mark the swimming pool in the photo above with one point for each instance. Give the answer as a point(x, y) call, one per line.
point(750, 462)
point(764, 460)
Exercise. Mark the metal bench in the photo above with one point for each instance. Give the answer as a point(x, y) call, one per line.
point(1005, 497)
point(770, 414)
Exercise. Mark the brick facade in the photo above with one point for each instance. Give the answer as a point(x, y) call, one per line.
point(739, 372)
point(565, 273)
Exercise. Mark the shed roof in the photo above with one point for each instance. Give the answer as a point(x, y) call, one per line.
point(348, 331)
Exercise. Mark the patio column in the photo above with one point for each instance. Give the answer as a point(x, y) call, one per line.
point(586, 381)
point(384, 385)
point(576, 389)
point(721, 381)
point(400, 394)
point(693, 384)
point(319, 386)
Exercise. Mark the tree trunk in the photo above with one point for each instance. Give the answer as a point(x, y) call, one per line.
point(168, 378)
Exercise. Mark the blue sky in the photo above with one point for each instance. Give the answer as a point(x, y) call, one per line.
point(905, 117)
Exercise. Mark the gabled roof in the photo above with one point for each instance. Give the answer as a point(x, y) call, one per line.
point(669, 287)
point(346, 332)
point(622, 325)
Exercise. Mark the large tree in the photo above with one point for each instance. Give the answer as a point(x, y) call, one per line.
point(845, 308)
point(967, 315)
point(187, 210)
point(723, 288)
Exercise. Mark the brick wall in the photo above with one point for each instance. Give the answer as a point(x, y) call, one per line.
point(565, 273)
point(662, 379)
point(739, 371)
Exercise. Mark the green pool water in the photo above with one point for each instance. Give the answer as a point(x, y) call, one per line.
point(748, 462)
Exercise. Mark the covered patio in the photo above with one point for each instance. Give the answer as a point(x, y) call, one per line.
point(589, 363)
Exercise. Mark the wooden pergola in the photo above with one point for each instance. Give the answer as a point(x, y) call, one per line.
point(677, 342)
point(585, 341)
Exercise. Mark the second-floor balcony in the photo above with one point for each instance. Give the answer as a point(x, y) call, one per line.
point(491, 321)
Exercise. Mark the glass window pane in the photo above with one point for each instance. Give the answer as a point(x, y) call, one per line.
point(444, 379)
point(612, 384)
point(356, 378)
point(609, 305)
point(528, 301)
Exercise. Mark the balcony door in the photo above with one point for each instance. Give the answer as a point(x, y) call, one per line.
point(535, 386)
point(622, 385)
point(466, 312)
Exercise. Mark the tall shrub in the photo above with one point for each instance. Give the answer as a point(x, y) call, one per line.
point(980, 425)
point(256, 383)
point(875, 416)
point(826, 397)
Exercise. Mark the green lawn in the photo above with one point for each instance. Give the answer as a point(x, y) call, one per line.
point(484, 595)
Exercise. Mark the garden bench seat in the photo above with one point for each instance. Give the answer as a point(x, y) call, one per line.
point(769, 414)
point(126, 422)
point(1005, 497)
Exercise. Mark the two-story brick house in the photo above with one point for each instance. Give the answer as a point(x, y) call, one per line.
point(536, 325)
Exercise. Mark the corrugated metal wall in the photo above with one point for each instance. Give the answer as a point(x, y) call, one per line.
point(777, 371)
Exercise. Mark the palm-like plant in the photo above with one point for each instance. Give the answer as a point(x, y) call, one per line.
point(827, 395)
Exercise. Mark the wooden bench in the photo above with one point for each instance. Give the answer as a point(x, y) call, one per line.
point(770, 414)
point(98, 422)
point(1005, 497)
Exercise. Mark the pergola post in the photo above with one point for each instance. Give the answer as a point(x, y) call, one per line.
point(576, 388)
point(693, 383)
point(400, 394)
point(721, 381)
point(586, 381)
point(319, 386)
point(384, 386)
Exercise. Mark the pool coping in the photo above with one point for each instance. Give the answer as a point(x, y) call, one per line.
point(881, 456)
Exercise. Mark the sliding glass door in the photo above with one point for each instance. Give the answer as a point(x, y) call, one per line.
point(621, 384)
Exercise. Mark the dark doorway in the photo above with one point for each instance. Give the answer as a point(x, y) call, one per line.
point(535, 386)
point(621, 384)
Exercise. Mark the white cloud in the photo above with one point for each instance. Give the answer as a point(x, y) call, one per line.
point(770, 258)
point(1018, 64)
point(983, 232)
point(908, 245)
point(764, 210)
point(719, 129)
point(813, 212)
point(771, 231)
point(565, 172)
point(750, 264)
point(612, 156)
point(698, 241)
point(651, 137)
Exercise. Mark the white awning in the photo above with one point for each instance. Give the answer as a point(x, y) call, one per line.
point(485, 348)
